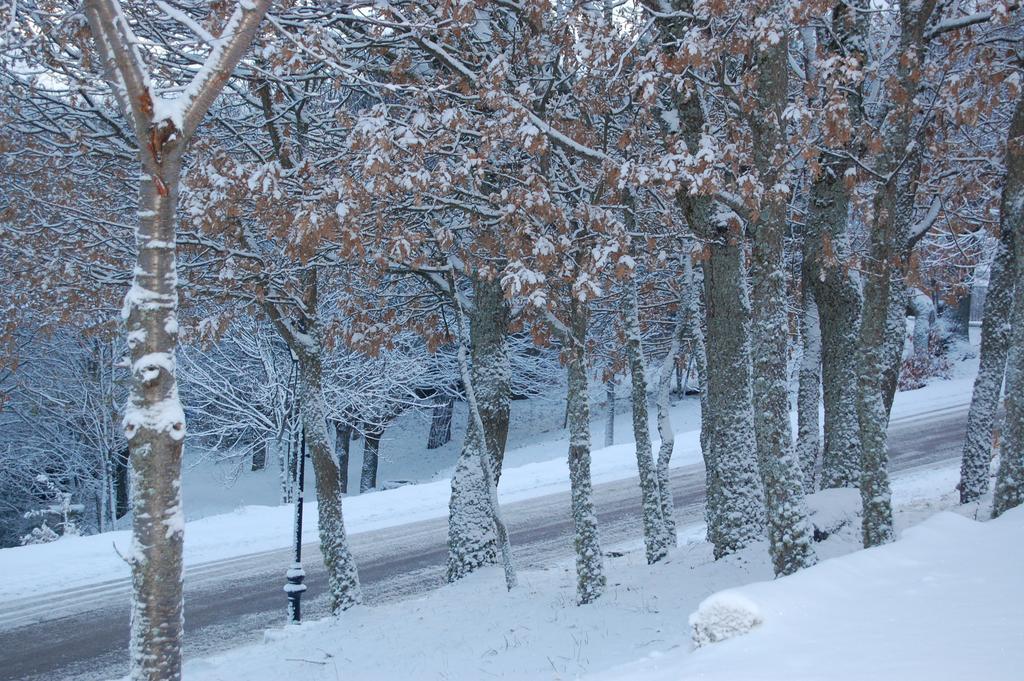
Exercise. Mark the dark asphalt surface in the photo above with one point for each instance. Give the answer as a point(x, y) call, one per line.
point(83, 634)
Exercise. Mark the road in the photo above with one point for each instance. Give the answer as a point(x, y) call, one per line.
point(82, 634)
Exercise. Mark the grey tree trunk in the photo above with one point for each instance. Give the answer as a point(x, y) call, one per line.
point(735, 496)
point(1009, 491)
point(829, 265)
point(895, 333)
point(650, 494)
point(342, 576)
point(342, 447)
point(590, 577)
point(837, 295)
point(789, 532)
point(921, 306)
point(485, 455)
point(995, 343)
point(371, 458)
point(471, 539)
point(154, 421)
point(808, 438)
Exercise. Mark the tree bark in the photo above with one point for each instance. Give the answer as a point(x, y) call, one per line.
point(371, 458)
point(471, 539)
point(735, 495)
point(1009, 491)
point(342, 576)
point(590, 577)
point(609, 423)
point(995, 344)
point(789, 533)
point(808, 439)
point(342, 447)
point(650, 494)
point(154, 425)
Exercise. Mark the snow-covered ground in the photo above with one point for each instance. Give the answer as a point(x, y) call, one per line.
point(943, 602)
point(79, 561)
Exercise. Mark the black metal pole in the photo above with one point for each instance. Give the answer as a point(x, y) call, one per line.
point(296, 575)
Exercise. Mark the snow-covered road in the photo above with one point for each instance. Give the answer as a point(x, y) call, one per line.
point(81, 632)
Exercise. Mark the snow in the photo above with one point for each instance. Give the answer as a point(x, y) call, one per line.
point(943, 602)
point(940, 603)
point(536, 468)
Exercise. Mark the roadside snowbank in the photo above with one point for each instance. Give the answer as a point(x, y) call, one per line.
point(941, 603)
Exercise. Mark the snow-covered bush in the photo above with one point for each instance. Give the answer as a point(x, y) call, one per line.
point(43, 534)
point(722, 616)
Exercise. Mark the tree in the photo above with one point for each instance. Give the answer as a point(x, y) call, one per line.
point(154, 423)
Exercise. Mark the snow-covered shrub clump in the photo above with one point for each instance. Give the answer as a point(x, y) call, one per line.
point(722, 616)
point(832, 510)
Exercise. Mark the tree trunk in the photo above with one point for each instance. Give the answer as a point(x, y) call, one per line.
point(895, 335)
point(342, 446)
point(259, 456)
point(609, 423)
point(441, 422)
point(920, 304)
point(808, 439)
point(471, 539)
point(477, 432)
point(995, 343)
point(665, 429)
point(837, 295)
point(342, 576)
point(154, 425)
point(590, 578)
point(371, 458)
point(789, 533)
point(650, 495)
point(735, 496)
point(1009, 490)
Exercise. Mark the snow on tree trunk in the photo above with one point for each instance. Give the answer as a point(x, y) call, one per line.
point(154, 425)
point(471, 539)
point(829, 266)
point(590, 578)
point(695, 326)
point(735, 497)
point(995, 343)
point(650, 495)
point(808, 438)
point(1009, 490)
point(920, 304)
point(371, 458)
point(895, 336)
point(476, 438)
point(154, 421)
point(789, 533)
point(665, 430)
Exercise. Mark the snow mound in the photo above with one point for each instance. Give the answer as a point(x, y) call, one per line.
point(722, 616)
point(832, 510)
